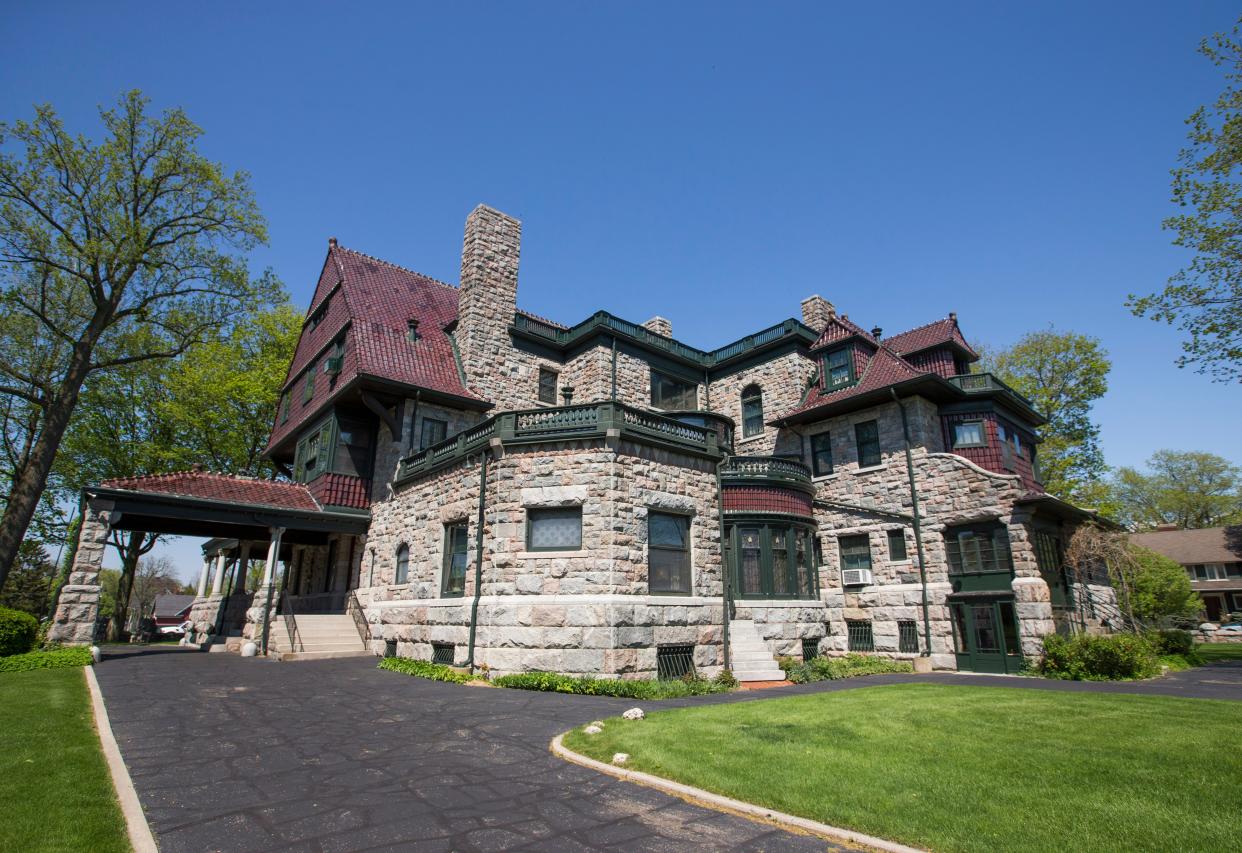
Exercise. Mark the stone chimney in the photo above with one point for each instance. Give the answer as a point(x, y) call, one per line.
point(660, 326)
point(816, 311)
point(488, 297)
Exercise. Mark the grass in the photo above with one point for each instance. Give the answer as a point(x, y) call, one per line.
point(54, 784)
point(962, 768)
point(1219, 651)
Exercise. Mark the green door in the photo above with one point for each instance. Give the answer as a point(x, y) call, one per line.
point(985, 635)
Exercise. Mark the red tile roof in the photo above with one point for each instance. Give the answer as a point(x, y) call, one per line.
point(373, 302)
point(840, 328)
point(933, 334)
point(220, 487)
point(883, 369)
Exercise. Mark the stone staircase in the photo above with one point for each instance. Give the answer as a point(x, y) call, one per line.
point(321, 635)
point(749, 655)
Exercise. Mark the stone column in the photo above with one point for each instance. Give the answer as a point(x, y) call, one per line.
point(74, 621)
point(264, 600)
point(202, 577)
point(273, 554)
point(217, 584)
point(243, 568)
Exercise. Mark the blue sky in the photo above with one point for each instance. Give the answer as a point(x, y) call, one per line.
point(713, 163)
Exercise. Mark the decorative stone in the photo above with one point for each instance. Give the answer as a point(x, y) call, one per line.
point(249, 650)
point(620, 758)
point(599, 723)
point(96, 655)
point(592, 730)
point(634, 714)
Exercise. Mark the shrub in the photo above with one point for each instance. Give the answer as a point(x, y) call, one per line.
point(1086, 657)
point(830, 669)
point(76, 656)
point(425, 669)
point(17, 631)
point(725, 679)
point(625, 688)
point(1172, 642)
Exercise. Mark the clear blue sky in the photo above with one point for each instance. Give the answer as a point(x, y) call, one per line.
point(713, 163)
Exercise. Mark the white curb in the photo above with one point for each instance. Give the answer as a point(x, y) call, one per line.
point(140, 837)
point(729, 804)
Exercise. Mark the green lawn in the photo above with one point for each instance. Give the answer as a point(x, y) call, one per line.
point(1220, 651)
point(54, 784)
point(963, 768)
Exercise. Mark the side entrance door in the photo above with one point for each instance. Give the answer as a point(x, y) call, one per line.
point(985, 635)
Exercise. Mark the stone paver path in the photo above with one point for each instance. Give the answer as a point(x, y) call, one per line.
point(243, 754)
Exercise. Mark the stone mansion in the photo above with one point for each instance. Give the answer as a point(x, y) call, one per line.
point(469, 483)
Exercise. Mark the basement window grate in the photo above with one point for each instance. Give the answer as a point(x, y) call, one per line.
point(443, 653)
point(390, 648)
point(860, 636)
point(674, 662)
point(907, 636)
point(810, 649)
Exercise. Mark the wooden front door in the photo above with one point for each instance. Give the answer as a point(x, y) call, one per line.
point(985, 635)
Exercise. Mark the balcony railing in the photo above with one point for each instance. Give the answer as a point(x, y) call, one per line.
point(770, 468)
point(985, 383)
point(535, 426)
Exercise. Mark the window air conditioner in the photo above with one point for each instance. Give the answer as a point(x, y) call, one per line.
point(856, 577)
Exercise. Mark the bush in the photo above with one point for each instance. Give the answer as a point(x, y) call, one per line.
point(830, 669)
point(625, 688)
point(76, 656)
point(1172, 642)
point(1086, 657)
point(425, 669)
point(17, 632)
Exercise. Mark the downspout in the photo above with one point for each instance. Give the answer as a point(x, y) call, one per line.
point(614, 368)
point(478, 559)
point(918, 530)
point(726, 602)
point(707, 390)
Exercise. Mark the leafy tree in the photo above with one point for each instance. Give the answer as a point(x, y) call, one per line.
point(1159, 591)
point(1189, 489)
point(1062, 374)
point(30, 581)
point(155, 576)
point(111, 254)
point(1205, 298)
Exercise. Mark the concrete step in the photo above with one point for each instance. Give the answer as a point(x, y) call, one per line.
point(326, 655)
point(745, 675)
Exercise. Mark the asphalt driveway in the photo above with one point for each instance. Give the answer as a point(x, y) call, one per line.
point(247, 754)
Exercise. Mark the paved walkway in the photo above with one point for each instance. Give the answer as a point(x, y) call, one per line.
point(243, 754)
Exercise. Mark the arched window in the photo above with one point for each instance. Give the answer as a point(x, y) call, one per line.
point(752, 411)
point(403, 564)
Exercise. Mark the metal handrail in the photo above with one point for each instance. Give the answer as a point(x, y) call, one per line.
point(291, 622)
point(354, 608)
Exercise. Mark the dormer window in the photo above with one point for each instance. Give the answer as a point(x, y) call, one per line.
point(838, 368)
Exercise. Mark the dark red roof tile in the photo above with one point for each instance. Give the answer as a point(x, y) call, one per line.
point(933, 334)
point(883, 369)
point(220, 487)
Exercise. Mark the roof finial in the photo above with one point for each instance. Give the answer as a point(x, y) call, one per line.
point(331, 242)
point(953, 316)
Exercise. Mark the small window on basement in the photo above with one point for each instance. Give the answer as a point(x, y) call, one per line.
point(558, 529)
point(454, 579)
point(434, 432)
point(838, 368)
point(810, 649)
point(402, 574)
point(670, 393)
point(668, 553)
point(859, 635)
point(907, 636)
point(897, 545)
point(443, 653)
point(969, 434)
point(867, 434)
point(547, 385)
point(674, 662)
point(752, 411)
point(821, 454)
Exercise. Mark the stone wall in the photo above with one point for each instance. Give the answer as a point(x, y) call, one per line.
point(782, 381)
point(78, 607)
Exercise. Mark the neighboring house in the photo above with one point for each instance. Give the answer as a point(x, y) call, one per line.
point(1212, 557)
point(170, 609)
point(475, 484)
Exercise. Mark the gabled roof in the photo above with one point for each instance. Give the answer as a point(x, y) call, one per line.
point(937, 333)
point(841, 328)
point(225, 488)
point(884, 368)
point(1206, 545)
point(170, 604)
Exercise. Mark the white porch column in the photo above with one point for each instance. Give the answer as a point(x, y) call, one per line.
point(217, 583)
point(202, 577)
point(273, 554)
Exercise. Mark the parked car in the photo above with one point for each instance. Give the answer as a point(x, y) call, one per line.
point(1232, 629)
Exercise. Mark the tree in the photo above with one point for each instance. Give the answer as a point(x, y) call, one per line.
point(155, 576)
point(30, 582)
point(111, 254)
point(1062, 374)
point(1159, 592)
point(1205, 298)
point(1189, 489)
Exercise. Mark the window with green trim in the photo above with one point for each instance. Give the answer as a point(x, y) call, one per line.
point(668, 553)
point(867, 435)
point(554, 529)
point(897, 545)
point(455, 558)
point(434, 432)
point(313, 455)
point(969, 434)
point(547, 385)
point(855, 551)
point(821, 454)
point(838, 368)
point(978, 548)
point(773, 560)
point(284, 407)
point(402, 574)
point(668, 392)
point(752, 411)
point(353, 448)
point(308, 386)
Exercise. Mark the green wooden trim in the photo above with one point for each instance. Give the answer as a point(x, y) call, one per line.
point(767, 559)
point(859, 444)
point(447, 558)
point(688, 517)
point(774, 470)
